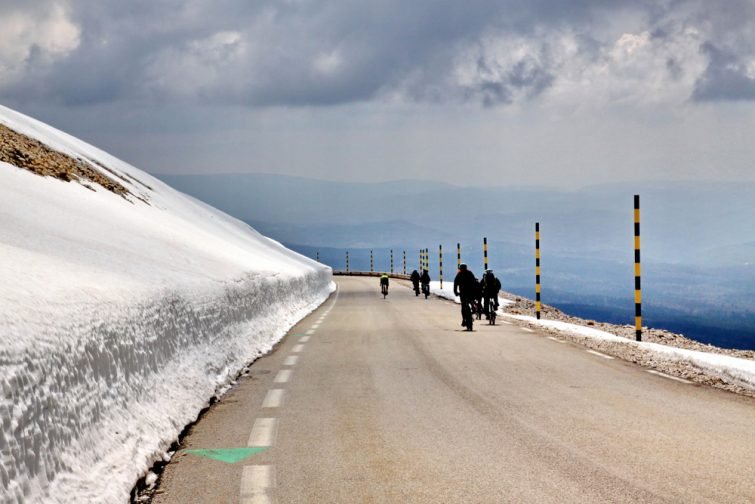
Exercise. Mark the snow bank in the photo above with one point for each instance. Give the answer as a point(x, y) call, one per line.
point(120, 318)
point(731, 369)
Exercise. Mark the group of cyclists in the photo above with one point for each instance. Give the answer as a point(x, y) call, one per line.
point(477, 297)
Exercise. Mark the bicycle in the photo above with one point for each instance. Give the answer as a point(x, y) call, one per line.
point(426, 289)
point(491, 303)
point(384, 290)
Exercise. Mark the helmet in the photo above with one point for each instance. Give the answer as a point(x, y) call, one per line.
point(488, 271)
point(463, 266)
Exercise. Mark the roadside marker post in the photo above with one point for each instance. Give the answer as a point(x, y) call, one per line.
point(440, 265)
point(347, 261)
point(485, 251)
point(404, 262)
point(372, 263)
point(458, 256)
point(318, 256)
point(637, 283)
point(391, 261)
point(537, 270)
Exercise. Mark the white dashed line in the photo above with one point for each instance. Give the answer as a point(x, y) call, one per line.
point(555, 339)
point(664, 375)
point(315, 326)
point(283, 376)
point(599, 354)
point(263, 432)
point(527, 329)
point(310, 332)
point(304, 339)
point(297, 348)
point(291, 360)
point(504, 322)
point(256, 482)
point(274, 398)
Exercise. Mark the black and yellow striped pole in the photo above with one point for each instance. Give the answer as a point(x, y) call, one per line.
point(391, 261)
point(537, 270)
point(440, 265)
point(485, 251)
point(372, 263)
point(458, 256)
point(347, 261)
point(637, 285)
point(404, 262)
point(420, 260)
point(318, 256)
point(427, 259)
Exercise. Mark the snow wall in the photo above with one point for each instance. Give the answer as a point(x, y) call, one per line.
point(120, 317)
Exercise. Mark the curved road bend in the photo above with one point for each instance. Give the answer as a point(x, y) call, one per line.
point(371, 400)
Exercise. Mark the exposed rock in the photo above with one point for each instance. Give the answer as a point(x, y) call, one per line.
point(29, 154)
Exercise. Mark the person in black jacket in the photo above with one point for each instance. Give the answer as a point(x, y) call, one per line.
point(465, 286)
point(425, 279)
point(490, 288)
point(415, 282)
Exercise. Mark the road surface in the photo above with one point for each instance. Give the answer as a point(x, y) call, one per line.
point(388, 401)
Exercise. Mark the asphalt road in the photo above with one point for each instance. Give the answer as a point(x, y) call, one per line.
point(372, 400)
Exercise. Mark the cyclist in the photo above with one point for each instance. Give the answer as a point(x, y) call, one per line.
point(491, 287)
point(465, 286)
point(384, 284)
point(415, 282)
point(425, 279)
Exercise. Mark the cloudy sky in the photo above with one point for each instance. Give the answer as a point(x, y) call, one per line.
point(545, 92)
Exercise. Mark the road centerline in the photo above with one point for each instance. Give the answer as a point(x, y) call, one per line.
point(263, 432)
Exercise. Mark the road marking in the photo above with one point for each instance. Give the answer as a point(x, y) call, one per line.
point(227, 455)
point(304, 339)
point(664, 375)
point(274, 398)
point(283, 376)
point(527, 329)
point(291, 360)
point(311, 331)
point(599, 354)
point(504, 322)
point(555, 339)
point(263, 432)
point(297, 348)
point(256, 481)
point(315, 326)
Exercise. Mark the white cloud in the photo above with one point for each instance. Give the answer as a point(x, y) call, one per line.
point(44, 32)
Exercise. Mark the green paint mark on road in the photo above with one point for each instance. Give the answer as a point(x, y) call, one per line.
point(228, 455)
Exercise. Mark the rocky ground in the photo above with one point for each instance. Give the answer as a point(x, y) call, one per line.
point(646, 358)
point(29, 154)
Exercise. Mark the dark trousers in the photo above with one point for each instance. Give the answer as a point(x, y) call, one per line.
point(466, 309)
point(488, 299)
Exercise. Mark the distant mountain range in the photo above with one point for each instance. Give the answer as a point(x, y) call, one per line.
point(697, 237)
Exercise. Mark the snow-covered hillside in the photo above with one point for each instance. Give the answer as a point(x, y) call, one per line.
point(121, 314)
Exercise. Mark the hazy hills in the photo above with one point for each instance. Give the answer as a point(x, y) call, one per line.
point(697, 238)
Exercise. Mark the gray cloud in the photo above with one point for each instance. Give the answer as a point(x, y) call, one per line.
point(725, 78)
point(305, 52)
